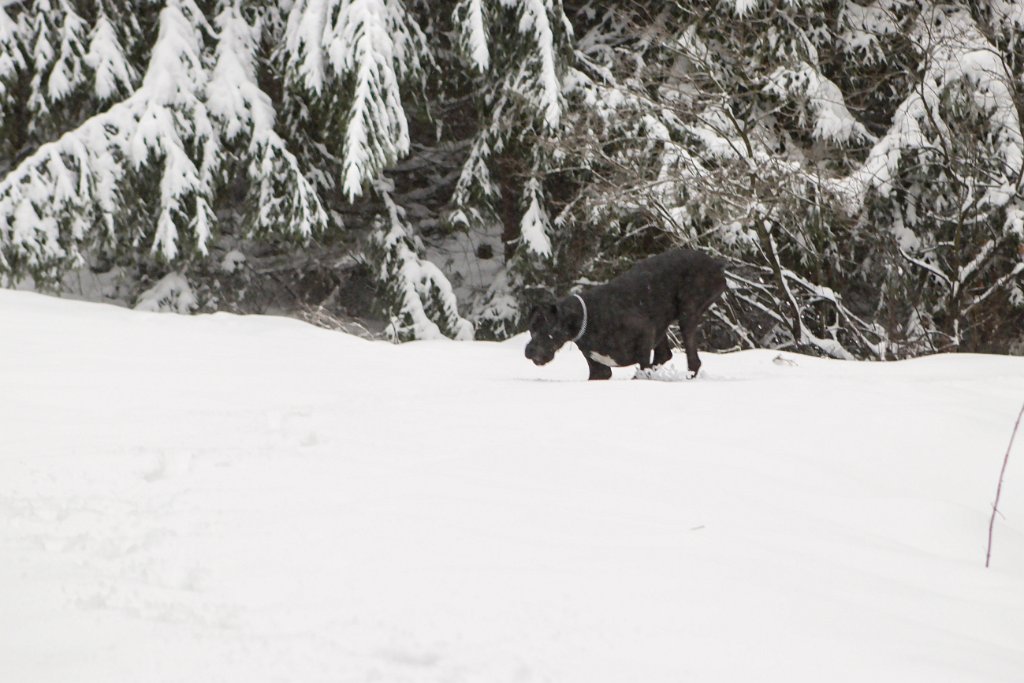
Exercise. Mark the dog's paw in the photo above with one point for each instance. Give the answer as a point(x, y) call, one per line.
point(662, 373)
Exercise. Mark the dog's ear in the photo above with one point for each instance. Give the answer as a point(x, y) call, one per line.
point(546, 312)
point(544, 297)
point(534, 312)
point(544, 305)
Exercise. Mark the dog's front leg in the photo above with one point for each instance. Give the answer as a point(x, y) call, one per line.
point(645, 343)
point(662, 352)
point(598, 370)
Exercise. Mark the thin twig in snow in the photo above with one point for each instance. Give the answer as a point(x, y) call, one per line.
point(999, 487)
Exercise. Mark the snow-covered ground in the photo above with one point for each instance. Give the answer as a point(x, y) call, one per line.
point(219, 498)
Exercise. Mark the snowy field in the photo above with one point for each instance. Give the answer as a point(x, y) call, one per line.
point(220, 498)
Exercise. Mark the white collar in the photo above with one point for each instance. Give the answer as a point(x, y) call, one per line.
point(583, 325)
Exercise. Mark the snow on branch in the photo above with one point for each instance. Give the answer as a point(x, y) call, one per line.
point(172, 106)
point(54, 40)
point(171, 293)
point(54, 197)
point(420, 301)
point(475, 189)
point(287, 202)
point(67, 73)
point(832, 120)
point(11, 58)
point(955, 51)
point(469, 17)
point(1007, 15)
point(865, 24)
point(368, 47)
point(158, 154)
point(114, 74)
point(525, 96)
point(535, 226)
point(544, 86)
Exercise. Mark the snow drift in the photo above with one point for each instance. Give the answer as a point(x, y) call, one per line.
point(217, 498)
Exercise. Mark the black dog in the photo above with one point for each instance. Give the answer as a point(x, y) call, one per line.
point(620, 323)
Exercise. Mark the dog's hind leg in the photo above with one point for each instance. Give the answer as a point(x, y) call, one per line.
point(689, 320)
point(688, 326)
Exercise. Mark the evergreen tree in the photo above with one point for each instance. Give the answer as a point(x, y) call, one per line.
point(422, 303)
point(772, 135)
point(280, 201)
point(857, 164)
point(57, 37)
point(352, 55)
point(520, 99)
point(12, 64)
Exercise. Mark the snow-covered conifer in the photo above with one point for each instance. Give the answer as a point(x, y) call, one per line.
point(524, 94)
point(947, 179)
point(470, 20)
point(417, 296)
point(56, 40)
point(521, 68)
point(282, 201)
point(152, 156)
point(143, 174)
point(113, 74)
point(12, 63)
point(535, 226)
point(352, 56)
point(859, 164)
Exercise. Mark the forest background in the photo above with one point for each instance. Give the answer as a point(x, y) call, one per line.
point(423, 169)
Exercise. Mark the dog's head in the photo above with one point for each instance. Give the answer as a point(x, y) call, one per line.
point(548, 333)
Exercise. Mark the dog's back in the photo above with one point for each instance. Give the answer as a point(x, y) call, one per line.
point(688, 278)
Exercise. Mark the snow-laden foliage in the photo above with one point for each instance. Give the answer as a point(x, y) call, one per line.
point(114, 75)
point(86, 183)
point(946, 181)
point(281, 198)
point(56, 36)
point(521, 99)
point(803, 151)
point(352, 55)
point(535, 224)
point(857, 164)
point(419, 297)
point(109, 158)
point(171, 293)
point(12, 63)
point(469, 18)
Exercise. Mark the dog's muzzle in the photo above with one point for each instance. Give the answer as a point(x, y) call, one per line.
point(537, 355)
